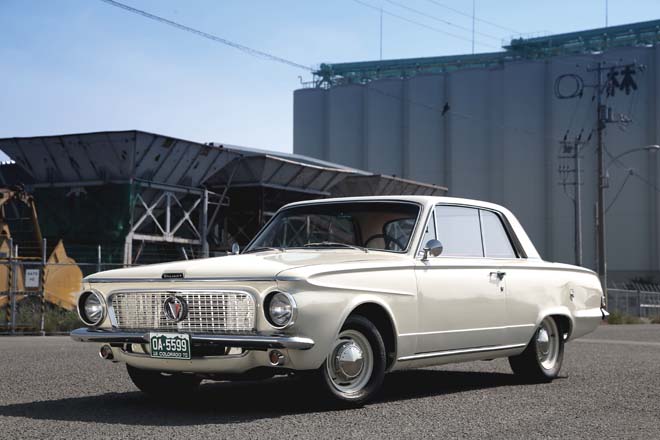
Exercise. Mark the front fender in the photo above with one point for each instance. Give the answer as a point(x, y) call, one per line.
point(326, 300)
point(321, 316)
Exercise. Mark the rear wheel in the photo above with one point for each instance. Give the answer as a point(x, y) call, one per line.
point(542, 359)
point(354, 370)
point(158, 384)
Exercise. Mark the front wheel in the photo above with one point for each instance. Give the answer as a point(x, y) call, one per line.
point(157, 384)
point(542, 359)
point(354, 370)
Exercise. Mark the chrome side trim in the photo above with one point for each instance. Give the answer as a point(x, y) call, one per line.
point(501, 263)
point(177, 280)
point(459, 351)
point(257, 341)
point(469, 330)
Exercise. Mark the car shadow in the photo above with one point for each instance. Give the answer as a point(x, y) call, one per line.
point(238, 402)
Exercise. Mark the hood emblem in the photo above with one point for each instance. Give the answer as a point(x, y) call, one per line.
point(175, 308)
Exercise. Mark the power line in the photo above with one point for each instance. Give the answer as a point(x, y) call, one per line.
point(446, 110)
point(400, 17)
point(242, 48)
point(448, 23)
point(632, 171)
point(470, 16)
point(618, 193)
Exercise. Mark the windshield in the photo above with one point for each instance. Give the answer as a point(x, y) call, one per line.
point(386, 226)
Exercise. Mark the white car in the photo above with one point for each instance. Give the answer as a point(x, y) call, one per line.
point(345, 290)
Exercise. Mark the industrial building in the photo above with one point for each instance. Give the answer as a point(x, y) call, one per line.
point(145, 197)
point(505, 127)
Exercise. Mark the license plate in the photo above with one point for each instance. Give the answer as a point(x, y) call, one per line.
point(170, 345)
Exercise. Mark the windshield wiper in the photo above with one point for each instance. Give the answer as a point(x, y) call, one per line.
point(335, 244)
point(263, 248)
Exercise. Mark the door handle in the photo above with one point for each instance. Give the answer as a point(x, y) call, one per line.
point(498, 274)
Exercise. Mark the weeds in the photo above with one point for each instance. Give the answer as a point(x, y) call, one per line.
point(28, 318)
point(622, 318)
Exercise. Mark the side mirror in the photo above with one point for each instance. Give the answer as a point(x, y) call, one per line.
point(433, 247)
point(235, 248)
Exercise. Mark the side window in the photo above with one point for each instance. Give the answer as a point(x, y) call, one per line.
point(459, 231)
point(429, 232)
point(496, 240)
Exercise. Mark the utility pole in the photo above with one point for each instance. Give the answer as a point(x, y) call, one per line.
point(603, 117)
point(572, 151)
point(620, 78)
point(578, 204)
point(600, 208)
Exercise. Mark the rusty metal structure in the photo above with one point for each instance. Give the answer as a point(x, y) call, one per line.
point(149, 198)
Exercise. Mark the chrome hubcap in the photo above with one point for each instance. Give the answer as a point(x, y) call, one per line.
point(349, 360)
point(543, 341)
point(350, 363)
point(547, 343)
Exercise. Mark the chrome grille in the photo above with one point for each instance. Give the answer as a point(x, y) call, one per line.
point(208, 311)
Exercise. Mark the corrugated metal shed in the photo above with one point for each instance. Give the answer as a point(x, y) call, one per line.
point(153, 159)
point(106, 157)
point(147, 189)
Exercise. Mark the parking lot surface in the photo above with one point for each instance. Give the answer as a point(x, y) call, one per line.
point(52, 387)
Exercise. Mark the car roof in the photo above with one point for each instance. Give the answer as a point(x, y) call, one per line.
point(424, 200)
point(428, 201)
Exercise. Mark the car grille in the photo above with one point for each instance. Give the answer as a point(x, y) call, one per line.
point(208, 311)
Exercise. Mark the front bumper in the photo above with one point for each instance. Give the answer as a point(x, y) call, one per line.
point(252, 341)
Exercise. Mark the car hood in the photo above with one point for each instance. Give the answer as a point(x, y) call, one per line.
point(257, 266)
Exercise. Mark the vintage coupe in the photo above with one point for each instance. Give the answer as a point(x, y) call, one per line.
point(345, 290)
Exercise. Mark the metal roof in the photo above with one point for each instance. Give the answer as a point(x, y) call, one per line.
point(276, 172)
point(105, 157)
point(643, 33)
point(153, 159)
point(646, 32)
point(250, 151)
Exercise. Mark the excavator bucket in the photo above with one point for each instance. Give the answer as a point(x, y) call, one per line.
point(63, 279)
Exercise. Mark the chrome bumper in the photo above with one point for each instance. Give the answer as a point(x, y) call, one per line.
point(255, 341)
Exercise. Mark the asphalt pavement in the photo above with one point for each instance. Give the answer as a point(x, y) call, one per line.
point(52, 387)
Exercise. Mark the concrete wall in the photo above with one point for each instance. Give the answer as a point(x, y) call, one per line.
point(500, 142)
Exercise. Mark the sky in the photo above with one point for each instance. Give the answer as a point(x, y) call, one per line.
point(70, 66)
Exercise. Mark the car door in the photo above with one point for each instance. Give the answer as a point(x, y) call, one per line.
point(523, 289)
point(462, 302)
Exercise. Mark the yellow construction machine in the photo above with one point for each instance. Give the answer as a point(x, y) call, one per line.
point(61, 276)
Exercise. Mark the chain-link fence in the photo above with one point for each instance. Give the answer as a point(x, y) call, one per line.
point(641, 300)
point(39, 282)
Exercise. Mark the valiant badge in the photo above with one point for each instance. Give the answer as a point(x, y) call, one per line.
point(175, 308)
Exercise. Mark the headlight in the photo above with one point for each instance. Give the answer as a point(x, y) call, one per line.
point(91, 308)
point(280, 309)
